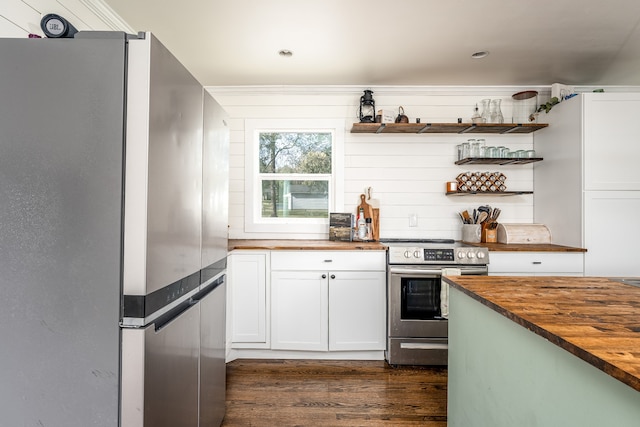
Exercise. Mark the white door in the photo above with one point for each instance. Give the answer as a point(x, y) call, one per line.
point(357, 310)
point(299, 310)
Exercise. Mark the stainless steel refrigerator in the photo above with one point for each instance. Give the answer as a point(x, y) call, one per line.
point(113, 222)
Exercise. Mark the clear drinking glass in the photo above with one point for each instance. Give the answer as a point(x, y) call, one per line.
point(465, 150)
point(474, 147)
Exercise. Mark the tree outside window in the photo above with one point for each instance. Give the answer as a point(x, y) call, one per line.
point(295, 169)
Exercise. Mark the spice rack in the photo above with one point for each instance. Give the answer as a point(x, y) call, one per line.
point(487, 193)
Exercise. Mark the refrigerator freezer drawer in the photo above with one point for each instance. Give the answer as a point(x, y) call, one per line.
point(212, 357)
point(160, 373)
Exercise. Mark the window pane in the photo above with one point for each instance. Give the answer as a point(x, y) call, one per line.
point(295, 199)
point(295, 152)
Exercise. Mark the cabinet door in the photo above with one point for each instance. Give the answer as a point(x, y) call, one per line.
point(357, 310)
point(248, 292)
point(611, 151)
point(299, 310)
point(610, 233)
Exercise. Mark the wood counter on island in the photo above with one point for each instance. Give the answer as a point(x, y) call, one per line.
point(543, 351)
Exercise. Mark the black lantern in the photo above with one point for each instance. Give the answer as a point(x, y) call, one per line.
point(367, 107)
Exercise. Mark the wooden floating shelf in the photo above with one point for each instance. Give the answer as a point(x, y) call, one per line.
point(461, 128)
point(498, 161)
point(487, 193)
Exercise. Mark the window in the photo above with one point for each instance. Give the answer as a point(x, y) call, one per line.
point(293, 174)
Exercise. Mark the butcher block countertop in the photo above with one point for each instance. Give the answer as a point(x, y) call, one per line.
point(595, 319)
point(527, 247)
point(317, 245)
point(328, 245)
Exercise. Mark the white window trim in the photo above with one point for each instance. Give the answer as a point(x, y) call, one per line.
point(252, 217)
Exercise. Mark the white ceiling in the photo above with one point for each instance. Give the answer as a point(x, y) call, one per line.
point(401, 42)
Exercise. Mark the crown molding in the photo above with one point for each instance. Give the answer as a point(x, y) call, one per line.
point(107, 15)
point(401, 90)
point(378, 90)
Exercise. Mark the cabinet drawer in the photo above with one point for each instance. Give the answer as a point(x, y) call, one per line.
point(535, 262)
point(328, 260)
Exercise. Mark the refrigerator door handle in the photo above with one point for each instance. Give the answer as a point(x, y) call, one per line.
point(171, 315)
point(207, 289)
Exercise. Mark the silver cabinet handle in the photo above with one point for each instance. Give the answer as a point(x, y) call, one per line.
point(537, 262)
point(328, 260)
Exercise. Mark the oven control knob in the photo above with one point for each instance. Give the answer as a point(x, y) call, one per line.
point(481, 255)
point(407, 254)
point(416, 254)
point(471, 254)
point(461, 254)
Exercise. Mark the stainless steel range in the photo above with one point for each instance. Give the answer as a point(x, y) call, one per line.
point(417, 325)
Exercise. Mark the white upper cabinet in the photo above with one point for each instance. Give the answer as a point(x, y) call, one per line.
point(611, 141)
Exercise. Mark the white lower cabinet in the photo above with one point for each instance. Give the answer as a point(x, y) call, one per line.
point(299, 310)
point(536, 263)
point(337, 309)
point(248, 299)
point(357, 311)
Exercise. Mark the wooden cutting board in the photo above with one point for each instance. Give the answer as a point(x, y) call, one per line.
point(366, 207)
point(370, 212)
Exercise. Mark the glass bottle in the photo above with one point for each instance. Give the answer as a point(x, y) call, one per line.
point(496, 111)
point(486, 114)
point(476, 118)
point(362, 225)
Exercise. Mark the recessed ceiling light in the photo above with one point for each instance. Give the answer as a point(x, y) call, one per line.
point(285, 52)
point(480, 54)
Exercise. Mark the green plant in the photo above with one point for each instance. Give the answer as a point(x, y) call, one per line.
point(549, 105)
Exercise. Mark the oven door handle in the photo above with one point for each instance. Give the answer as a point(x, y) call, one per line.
point(416, 272)
point(433, 272)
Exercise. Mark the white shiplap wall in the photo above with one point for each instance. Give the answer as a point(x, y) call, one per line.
point(19, 18)
point(406, 172)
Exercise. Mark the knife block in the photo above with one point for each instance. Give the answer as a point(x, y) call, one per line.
point(488, 235)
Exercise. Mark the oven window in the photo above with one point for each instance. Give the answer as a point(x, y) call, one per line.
point(420, 298)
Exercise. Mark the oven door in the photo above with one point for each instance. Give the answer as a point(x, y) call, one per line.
point(414, 300)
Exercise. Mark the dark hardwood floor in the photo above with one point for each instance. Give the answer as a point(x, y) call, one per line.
point(282, 393)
